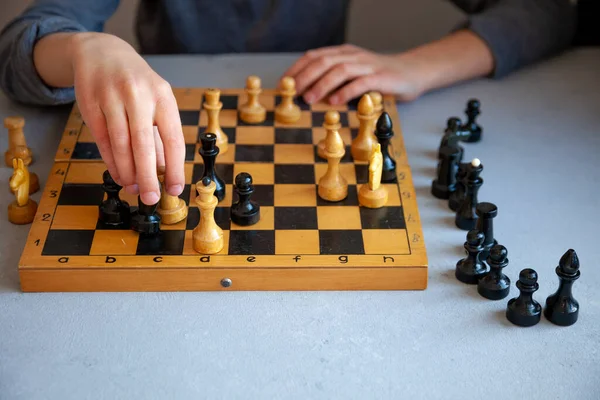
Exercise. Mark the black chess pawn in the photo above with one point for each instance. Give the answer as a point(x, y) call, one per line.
point(495, 285)
point(209, 152)
point(524, 310)
point(472, 111)
point(113, 211)
point(145, 219)
point(486, 212)
point(471, 269)
point(561, 308)
point(245, 211)
point(452, 136)
point(457, 197)
point(445, 182)
point(466, 216)
point(384, 132)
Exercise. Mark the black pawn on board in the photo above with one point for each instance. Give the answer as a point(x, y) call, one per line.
point(561, 308)
point(495, 285)
point(209, 152)
point(486, 212)
point(445, 182)
point(113, 211)
point(470, 269)
point(457, 197)
point(466, 215)
point(244, 212)
point(145, 219)
point(384, 133)
point(472, 111)
point(524, 310)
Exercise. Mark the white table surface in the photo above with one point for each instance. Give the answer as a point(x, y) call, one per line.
point(540, 152)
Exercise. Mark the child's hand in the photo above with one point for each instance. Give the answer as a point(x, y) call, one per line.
point(341, 73)
point(121, 99)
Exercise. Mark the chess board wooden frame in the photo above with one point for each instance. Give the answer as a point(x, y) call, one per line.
point(405, 269)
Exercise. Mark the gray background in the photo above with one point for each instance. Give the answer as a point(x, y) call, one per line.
point(540, 156)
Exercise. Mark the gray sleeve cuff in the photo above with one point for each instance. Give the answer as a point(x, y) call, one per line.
point(519, 33)
point(18, 77)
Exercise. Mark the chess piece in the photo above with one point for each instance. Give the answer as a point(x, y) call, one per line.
point(362, 145)
point(213, 106)
point(471, 269)
point(333, 186)
point(287, 112)
point(209, 152)
point(384, 133)
point(207, 236)
point(22, 210)
point(445, 182)
point(17, 146)
point(373, 194)
point(457, 197)
point(145, 220)
point(244, 212)
point(332, 126)
point(171, 209)
point(561, 307)
point(452, 136)
point(524, 310)
point(472, 111)
point(377, 99)
point(486, 212)
point(466, 216)
point(495, 285)
point(252, 112)
point(113, 211)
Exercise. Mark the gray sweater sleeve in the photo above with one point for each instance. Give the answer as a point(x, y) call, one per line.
point(520, 32)
point(18, 77)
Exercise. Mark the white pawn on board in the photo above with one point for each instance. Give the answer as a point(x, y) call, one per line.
point(287, 112)
point(333, 186)
point(252, 112)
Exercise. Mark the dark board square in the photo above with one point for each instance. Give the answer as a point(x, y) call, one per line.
point(185, 195)
point(230, 101)
point(293, 135)
point(166, 242)
point(353, 104)
point(382, 218)
point(263, 195)
point(318, 118)
point(353, 133)
point(341, 242)
point(346, 159)
point(254, 152)
point(86, 151)
point(362, 173)
point(229, 131)
point(299, 100)
point(224, 171)
point(190, 152)
point(251, 242)
point(68, 243)
point(222, 218)
point(350, 200)
point(81, 194)
point(189, 117)
point(294, 173)
point(295, 218)
point(269, 120)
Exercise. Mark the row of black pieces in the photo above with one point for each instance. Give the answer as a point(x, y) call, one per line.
point(561, 307)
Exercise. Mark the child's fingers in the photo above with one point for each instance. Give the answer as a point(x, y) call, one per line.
point(310, 55)
point(160, 150)
point(118, 132)
point(139, 112)
point(97, 124)
point(335, 77)
point(317, 68)
point(169, 127)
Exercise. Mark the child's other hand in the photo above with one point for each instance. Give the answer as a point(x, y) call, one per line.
point(341, 73)
point(121, 100)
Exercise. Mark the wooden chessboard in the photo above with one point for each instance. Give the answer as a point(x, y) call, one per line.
point(300, 243)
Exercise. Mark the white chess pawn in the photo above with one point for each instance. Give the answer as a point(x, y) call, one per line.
point(252, 112)
point(287, 112)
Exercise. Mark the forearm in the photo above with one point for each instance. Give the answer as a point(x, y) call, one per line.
point(460, 56)
point(53, 59)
